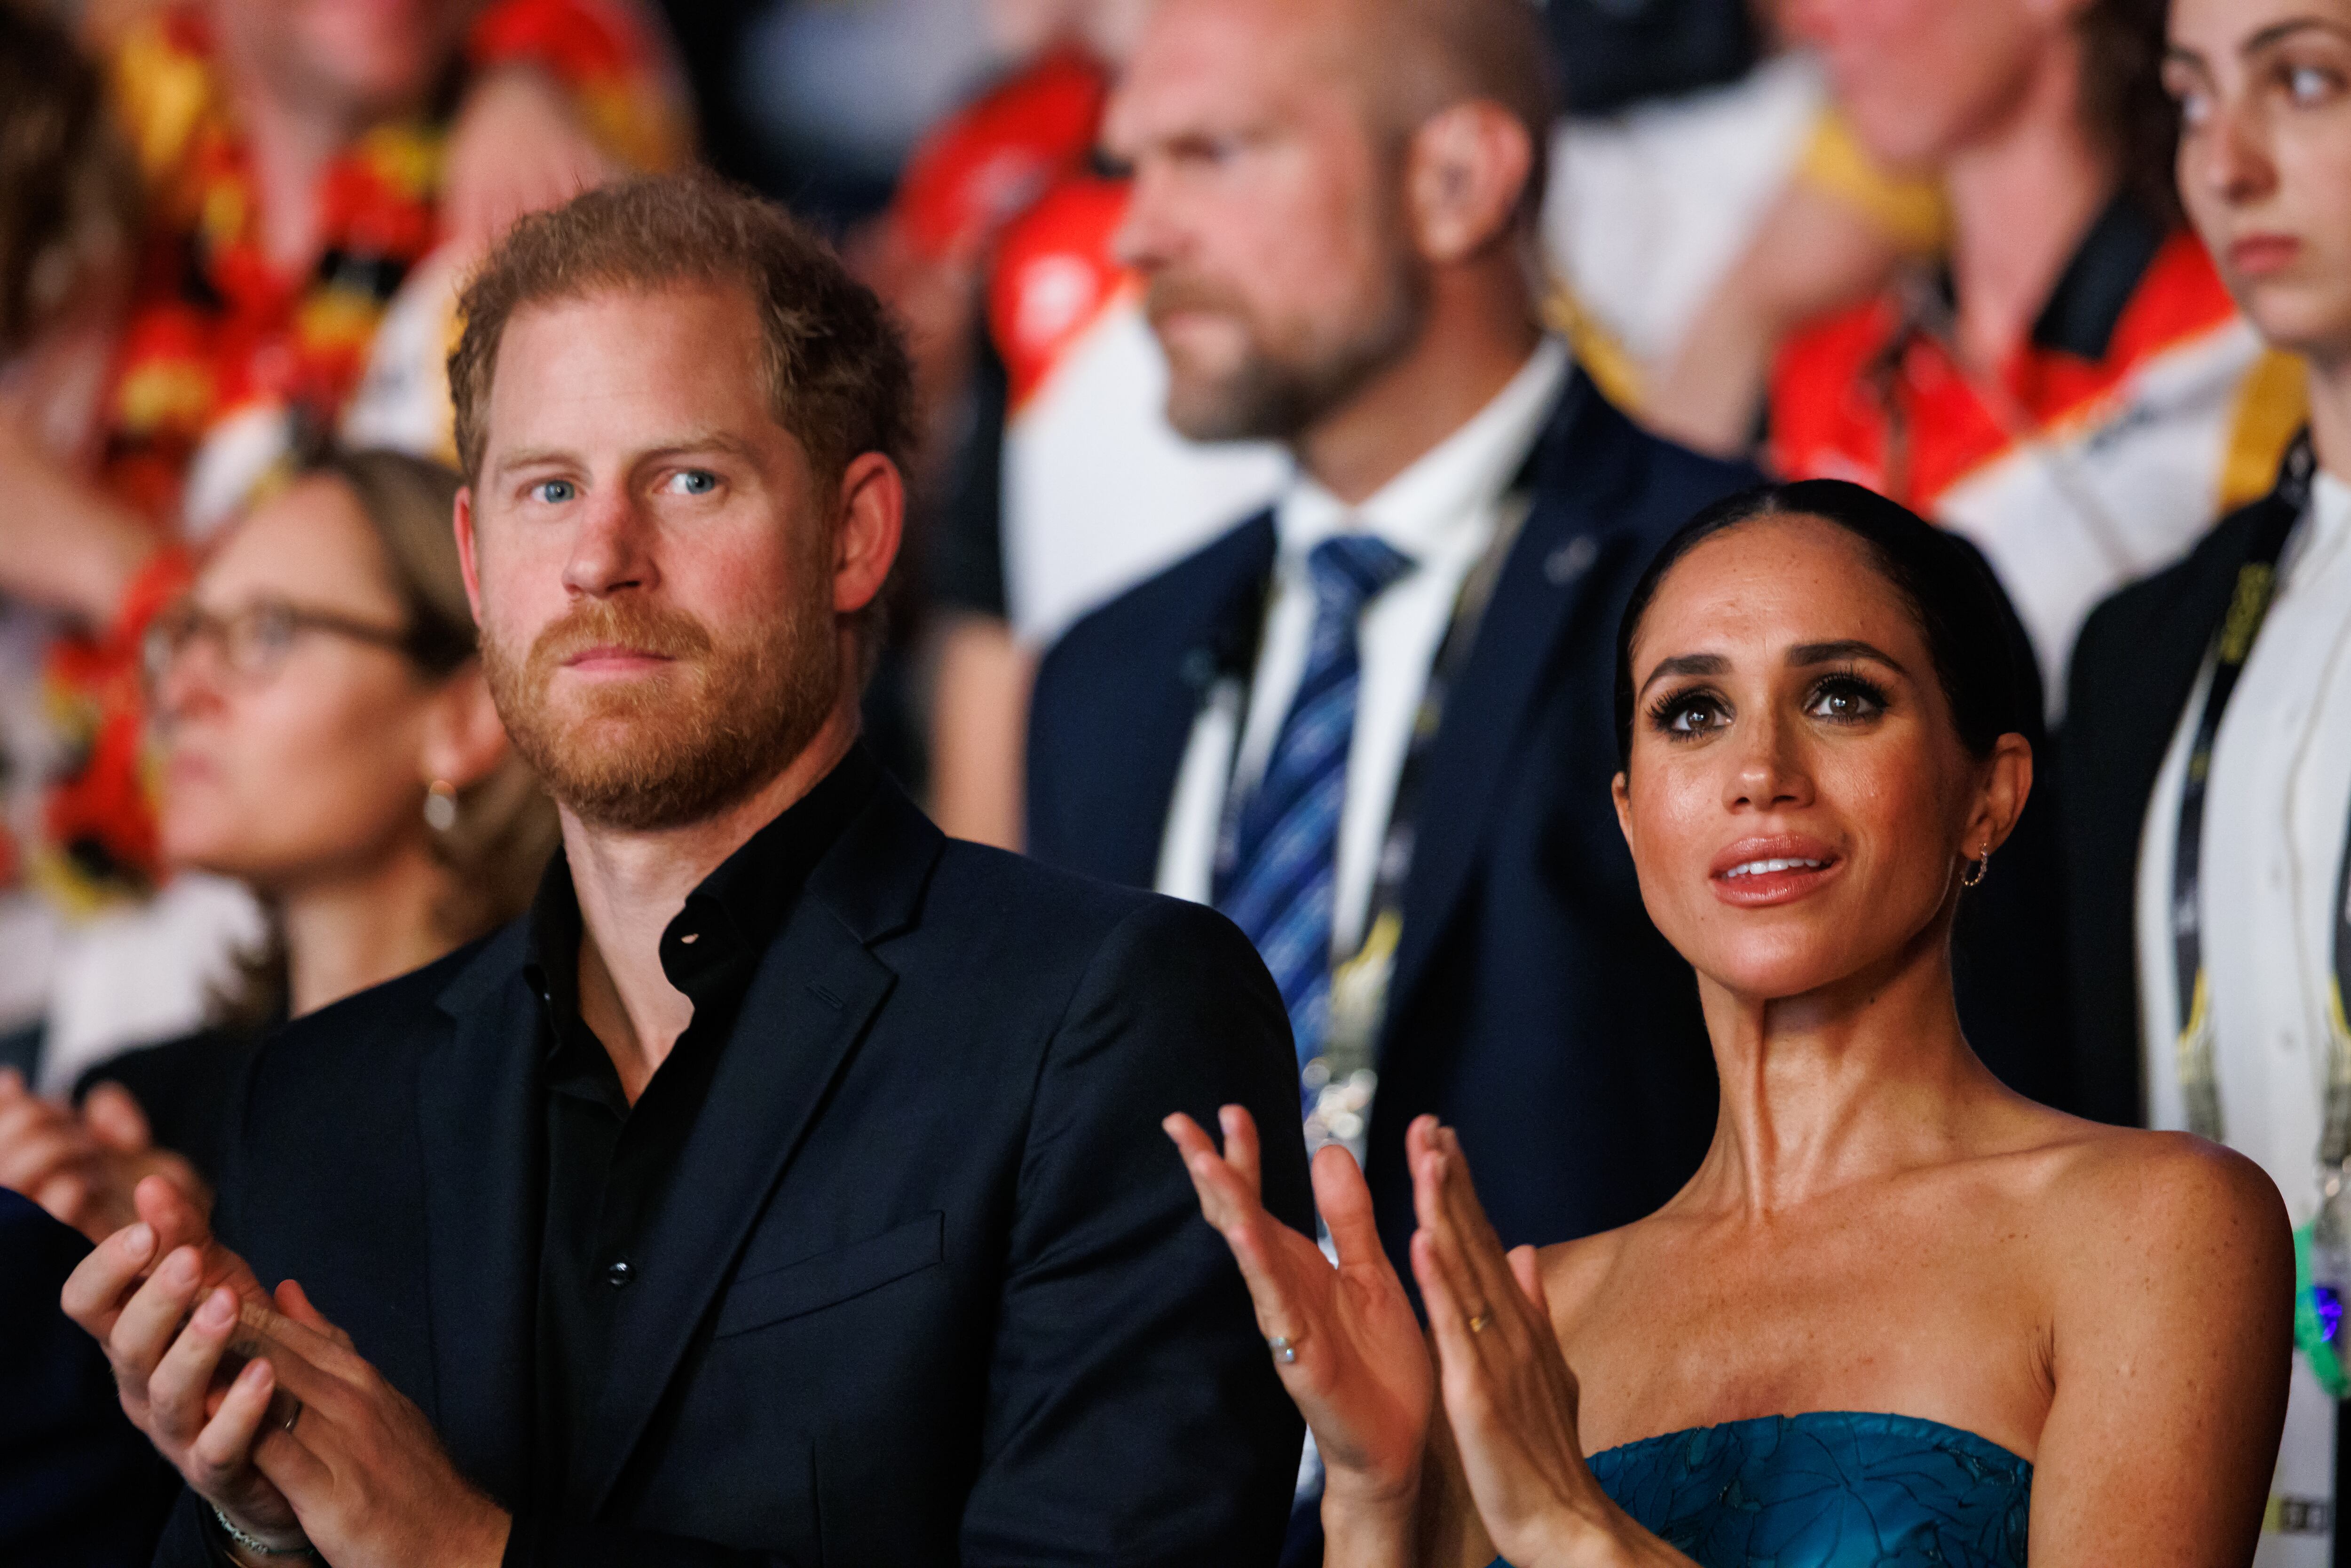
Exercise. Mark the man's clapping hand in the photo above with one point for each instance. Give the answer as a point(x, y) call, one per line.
point(307, 1440)
point(133, 1294)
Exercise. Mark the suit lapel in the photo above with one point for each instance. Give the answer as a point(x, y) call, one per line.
point(807, 1007)
point(1543, 585)
point(1217, 638)
point(478, 1107)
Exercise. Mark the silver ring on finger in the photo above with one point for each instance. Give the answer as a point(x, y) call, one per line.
point(291, 1417)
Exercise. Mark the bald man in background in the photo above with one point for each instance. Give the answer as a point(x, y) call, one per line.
point(1375, 724)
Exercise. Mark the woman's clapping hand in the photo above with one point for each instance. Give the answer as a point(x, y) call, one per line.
point(1509, 1397)
point(1355, 1363)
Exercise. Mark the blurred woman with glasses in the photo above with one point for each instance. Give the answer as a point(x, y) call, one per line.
point(326, 739)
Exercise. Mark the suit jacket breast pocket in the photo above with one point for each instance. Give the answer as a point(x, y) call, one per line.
point(772, 1295)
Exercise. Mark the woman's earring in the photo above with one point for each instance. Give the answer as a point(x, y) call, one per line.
point(441, 806)
point(1974, 875)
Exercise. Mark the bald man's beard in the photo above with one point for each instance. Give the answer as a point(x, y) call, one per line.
point(679, 744)
point(1278, 395)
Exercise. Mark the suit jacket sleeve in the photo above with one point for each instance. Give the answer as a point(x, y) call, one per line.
point(1134, 1415)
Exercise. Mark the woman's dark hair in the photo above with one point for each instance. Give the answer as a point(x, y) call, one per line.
point(68, 189)
point(1981, 658)
point(2123, 101)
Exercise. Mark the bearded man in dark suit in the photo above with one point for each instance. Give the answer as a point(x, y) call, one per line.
point(786, 1187)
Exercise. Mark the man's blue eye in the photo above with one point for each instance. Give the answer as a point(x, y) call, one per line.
point(696, 481)
point(554, 492)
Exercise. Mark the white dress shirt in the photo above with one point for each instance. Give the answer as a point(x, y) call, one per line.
point(1443, 512)
point(2275, 812)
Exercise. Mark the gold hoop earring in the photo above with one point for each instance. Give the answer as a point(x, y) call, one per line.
point(441, 805)
point(1974, 875)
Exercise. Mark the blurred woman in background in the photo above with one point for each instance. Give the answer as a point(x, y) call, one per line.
point(2208, 765)
point(2074, 389)
point(328, 741)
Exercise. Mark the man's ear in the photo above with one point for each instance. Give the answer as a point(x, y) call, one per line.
point(872, 522)
point(464, 739)
point(464, 523)
point(1467, 166)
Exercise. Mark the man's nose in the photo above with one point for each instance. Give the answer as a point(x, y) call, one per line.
point(1145, 241)
point(612, 550)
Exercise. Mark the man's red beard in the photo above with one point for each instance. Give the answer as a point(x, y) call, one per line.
point(683, 741)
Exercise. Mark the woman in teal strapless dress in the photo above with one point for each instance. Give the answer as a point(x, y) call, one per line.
point(1900, 1315)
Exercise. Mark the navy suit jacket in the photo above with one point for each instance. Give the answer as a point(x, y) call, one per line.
point(926, 1284)
point(1534, 1005)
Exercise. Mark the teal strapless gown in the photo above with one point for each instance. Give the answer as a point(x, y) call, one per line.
point(1829, 1489)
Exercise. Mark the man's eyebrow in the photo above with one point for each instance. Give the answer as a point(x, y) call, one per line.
point(1688, 665)
point(694, 440)
point(530, 457)
point(1803, 655)
point(682, 445)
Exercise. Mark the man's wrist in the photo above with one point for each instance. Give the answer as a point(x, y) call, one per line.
point(252, 1549)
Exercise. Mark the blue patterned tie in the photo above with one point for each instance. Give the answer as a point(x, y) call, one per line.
point(1276, 872)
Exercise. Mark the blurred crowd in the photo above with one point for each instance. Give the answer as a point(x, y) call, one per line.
point(1958, 253)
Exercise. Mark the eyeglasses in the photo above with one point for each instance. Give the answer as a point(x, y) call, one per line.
point(253, 643)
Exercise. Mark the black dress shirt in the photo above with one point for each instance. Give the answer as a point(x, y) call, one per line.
point(608, 1162)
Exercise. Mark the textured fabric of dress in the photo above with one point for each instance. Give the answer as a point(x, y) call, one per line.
point(1826, 1489)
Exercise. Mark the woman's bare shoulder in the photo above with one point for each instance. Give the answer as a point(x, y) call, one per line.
point(2116, 1193)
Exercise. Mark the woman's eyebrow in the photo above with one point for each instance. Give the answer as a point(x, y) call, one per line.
point(1688, 665)
point(1805, 655)
point(2277, 32)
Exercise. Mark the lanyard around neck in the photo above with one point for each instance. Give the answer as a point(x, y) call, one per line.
point(2249, 607)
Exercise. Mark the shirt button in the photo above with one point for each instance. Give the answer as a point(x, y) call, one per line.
point(619, 1274)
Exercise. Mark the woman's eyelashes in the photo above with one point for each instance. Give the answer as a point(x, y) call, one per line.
point(1846, 696)
point(1691, 712)
point(1842, 697)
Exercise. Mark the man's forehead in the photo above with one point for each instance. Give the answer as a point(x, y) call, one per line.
point(687, 357)
point(1215, 62)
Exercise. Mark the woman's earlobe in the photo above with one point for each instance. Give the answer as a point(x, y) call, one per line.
point(464, 740)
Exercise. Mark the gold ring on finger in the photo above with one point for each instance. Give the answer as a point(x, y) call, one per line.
point(1477, 1324)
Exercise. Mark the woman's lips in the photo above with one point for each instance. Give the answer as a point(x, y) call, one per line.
point(2258, 256)
point(1756, 873)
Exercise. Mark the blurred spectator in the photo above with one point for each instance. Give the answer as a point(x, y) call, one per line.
point(300, 157)
point(1692, 227)
point(69, 216)
point(79, 1487)
point(1078, 487)
point(2208, 755)
point(2073, 391)
point(1374, 723)
point(1043, 391)
point(928, 256)
point(329, 743)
